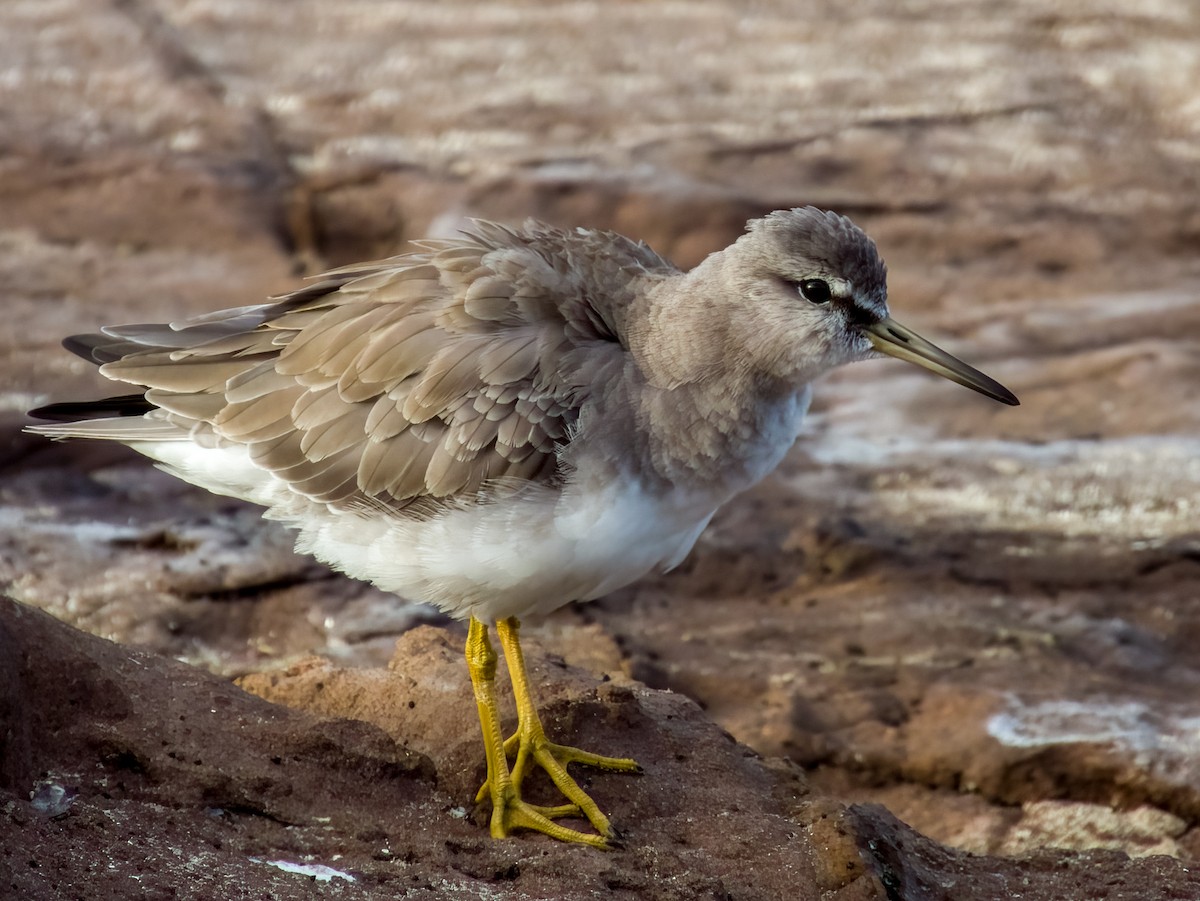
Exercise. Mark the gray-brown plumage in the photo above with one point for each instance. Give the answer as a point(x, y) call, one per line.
point(429, 375)
point(509, 421)
point(494, 368)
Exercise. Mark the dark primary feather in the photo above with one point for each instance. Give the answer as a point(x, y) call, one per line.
point(70, 411)
point(428, 375)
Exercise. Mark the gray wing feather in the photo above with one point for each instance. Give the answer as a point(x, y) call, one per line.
point(431, 376)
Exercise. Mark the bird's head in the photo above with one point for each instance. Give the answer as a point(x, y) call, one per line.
point(812, 294)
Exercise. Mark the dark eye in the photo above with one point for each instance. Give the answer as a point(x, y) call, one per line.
point(815, 290)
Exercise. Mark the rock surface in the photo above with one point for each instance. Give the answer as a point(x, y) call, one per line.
point(150, 778)
point(984, 619)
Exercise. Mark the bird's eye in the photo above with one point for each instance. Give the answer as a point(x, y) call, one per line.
point(815, 290)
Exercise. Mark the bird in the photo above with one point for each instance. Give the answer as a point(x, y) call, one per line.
point(508, 421)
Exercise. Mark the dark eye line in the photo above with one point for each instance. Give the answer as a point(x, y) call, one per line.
point(857, 316)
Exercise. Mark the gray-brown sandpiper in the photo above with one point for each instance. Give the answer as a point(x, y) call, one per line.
point(505, 422)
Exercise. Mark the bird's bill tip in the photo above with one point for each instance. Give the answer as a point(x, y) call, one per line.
point(890, 337)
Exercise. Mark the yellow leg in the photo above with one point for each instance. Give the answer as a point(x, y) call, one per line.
point(509, 811)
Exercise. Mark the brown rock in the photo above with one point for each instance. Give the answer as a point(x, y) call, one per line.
point(122, 773)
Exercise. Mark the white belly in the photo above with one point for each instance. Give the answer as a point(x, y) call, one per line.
point(523, 555)
point(520, 556)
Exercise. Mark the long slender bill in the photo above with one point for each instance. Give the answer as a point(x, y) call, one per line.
point(891, 338)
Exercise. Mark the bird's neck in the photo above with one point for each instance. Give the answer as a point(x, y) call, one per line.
point(704, 412)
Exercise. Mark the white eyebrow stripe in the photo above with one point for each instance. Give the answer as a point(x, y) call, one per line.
point(840, 287)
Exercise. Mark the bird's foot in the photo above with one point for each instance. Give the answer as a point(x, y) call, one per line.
point(509, 811)
point(530, 747)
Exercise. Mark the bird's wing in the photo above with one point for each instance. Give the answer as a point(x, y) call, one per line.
point(432, 375)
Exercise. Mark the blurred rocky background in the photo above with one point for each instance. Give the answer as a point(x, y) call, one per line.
point(984, 619)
